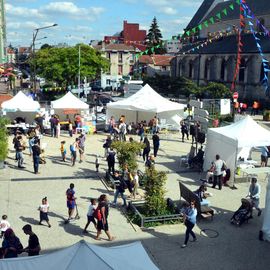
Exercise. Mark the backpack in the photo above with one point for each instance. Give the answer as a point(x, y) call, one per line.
point(97, 214)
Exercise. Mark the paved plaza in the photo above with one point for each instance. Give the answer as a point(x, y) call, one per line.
point(220, 246)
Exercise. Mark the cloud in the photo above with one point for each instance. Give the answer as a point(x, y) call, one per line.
point(23, 12)
point(168, 10)
point(71, 10)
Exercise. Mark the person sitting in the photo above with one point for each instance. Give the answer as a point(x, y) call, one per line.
point(197, 160)
point(202, 194)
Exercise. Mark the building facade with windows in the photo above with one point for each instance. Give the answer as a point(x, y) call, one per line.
point(122, 58)
point(216, 61)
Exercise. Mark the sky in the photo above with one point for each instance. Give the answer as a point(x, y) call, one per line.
point(80, 21)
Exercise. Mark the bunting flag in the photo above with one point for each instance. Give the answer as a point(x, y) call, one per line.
point(212, 20)
point(265, 62)
point(239, 46)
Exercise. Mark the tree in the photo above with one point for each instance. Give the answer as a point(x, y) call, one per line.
point(3, 138)
point(214, 90)
point(155, 192)
point(153, 39)
point(60, 65)
point(127, 153)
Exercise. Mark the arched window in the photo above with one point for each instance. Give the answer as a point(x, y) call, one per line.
point(242, 70)
point(222, 71)
point(262, 71)
point(190, 73)
point(206, 69)
point(260, 25)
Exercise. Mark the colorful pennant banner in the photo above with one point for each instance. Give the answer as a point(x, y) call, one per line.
point(265, 62)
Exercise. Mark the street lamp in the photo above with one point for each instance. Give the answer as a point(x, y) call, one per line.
point(35, 33)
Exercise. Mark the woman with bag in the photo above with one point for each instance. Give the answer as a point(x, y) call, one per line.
point(190, 215)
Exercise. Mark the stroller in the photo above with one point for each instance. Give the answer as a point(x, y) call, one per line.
point(244, 213)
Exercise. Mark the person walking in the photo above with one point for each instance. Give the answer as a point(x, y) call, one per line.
point(190, 215)
point(90, 214)
point(71, 201)
point(43, 212)
point(107, 145)
point(70, 128)
point(36, 151)
point(122, 131)
point(146, 149)
point(156, 143)
point(218, 164)
point(81, 144)
point(119, 189)
point(254, 194)
point(102, 224)
point(18, 145)
point(63, 150)
point(111, 161)
point(97, 163)
point(33, 247)
point(52, 124)
point(184, 130)
point(141, 132)
point(73, 150)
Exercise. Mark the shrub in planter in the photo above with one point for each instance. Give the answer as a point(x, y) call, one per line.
point(127, 154)
point(155, 203)
point(3, 139)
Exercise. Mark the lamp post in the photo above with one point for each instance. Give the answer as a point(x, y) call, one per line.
point(35, 33)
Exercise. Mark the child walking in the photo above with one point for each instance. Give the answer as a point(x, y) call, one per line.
point(43, 212)
point(63, 150)
point(4, 225)
point(97, 162)
point(90, 214)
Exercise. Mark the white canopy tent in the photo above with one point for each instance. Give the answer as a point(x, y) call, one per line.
point(144, 105)
point(21, 106)
point(234, 141)
point(69, 104)
point(87, 257)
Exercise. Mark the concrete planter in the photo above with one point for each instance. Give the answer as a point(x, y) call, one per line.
point(136, 207)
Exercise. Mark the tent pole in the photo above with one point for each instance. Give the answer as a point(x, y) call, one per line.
point(235, 164)
point(137, 117)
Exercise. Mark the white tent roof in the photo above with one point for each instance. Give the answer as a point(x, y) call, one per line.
point(87, 257)
point(146, 100)
point(247, 132)
point(69, 101)
point(21, 102)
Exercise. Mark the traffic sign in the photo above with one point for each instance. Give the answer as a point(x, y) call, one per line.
point(196, 103)
point(201, 112)
point(235, 95)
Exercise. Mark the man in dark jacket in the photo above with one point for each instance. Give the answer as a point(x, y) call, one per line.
point(111, 161)
point(119, 189)
point(36, 151)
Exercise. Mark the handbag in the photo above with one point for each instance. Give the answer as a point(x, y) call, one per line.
point(224, 167)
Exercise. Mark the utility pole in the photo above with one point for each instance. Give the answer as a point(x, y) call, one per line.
point(79, 74)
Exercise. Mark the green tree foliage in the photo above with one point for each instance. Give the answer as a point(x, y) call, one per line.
point(172, 85)
point(154, 38)
point(60, 65)
point(155, 192)
point(127, 153)
point(214, 90)
point(3, 138)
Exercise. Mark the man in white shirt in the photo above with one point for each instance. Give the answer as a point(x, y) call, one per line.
point(218, 164)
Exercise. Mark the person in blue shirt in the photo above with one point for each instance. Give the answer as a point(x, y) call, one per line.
point(190, 215)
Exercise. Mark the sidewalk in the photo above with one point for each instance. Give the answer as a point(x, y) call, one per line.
point(22, 191)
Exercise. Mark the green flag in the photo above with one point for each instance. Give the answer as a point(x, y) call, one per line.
point(200, 27)
point(152, 49)
point(219, 15)
point(194, 30)
point(225, 11)
point(212, 20)
point(238, 2)
point(231, 6)
point(158, 46)
point(188, 33)
point(206, 23)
